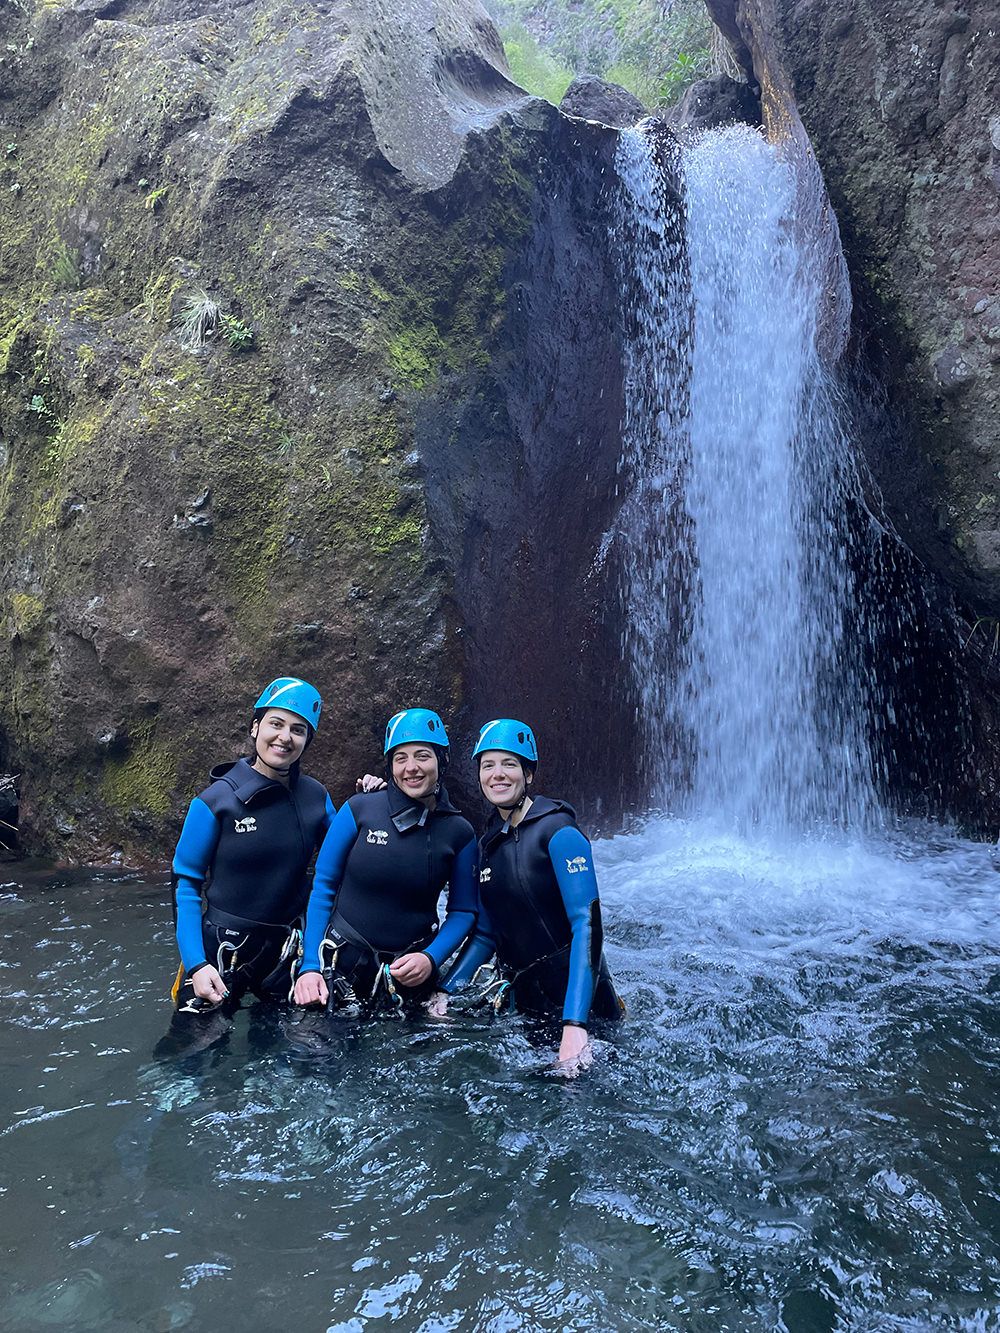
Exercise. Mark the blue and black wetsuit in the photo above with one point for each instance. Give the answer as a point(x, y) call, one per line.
point(246, 847)
point(378, 879)
point(540, 913)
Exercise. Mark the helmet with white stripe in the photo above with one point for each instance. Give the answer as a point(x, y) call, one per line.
point(295, 696)
point(413, 726)
point(504, 733)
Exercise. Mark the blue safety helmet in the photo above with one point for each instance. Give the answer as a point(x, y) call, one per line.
point(413, 726)
point(295, 696)
point(503, 733)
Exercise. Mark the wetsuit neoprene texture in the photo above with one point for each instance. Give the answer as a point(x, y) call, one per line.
point(246, 844)
point(380, 873)
point(540, 913)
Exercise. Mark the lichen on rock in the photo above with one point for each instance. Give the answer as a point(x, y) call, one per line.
point(361, 190)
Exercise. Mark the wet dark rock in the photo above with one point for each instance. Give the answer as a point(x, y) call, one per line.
point(714, 102)
point(900, 102)
point(410, 239)
point(591, 98)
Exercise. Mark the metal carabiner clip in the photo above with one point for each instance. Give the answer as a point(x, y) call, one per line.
point(233, 951)
point(502, 991)
point(385, 977)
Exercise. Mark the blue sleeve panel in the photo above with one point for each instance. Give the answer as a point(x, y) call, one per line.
point(478, 950)
point(573, 863)
point(460, 916)
point(331, 811)
point(192, 862)
point(330, 865)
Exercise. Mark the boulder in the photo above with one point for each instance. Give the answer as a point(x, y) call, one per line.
point(591, 98)
point(714, 102)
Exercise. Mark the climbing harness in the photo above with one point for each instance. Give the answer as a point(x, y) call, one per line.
point(384, 981)
point(339, 989)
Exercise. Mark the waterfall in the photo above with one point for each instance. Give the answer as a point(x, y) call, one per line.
point(748, 479)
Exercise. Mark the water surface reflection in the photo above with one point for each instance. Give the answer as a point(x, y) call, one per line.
point(796, 1128)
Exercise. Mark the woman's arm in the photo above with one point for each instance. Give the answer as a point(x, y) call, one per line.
point(330, 864)
point(460, 915)
point(572, 862)
point(479, 949)
point(330, 815)
point(192, 861)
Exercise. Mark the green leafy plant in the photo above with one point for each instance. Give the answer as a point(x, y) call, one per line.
point(238, 335)
point(198, 320)
point(64, 268)
point(156, 197)
point(40, 407)
point(654, 48)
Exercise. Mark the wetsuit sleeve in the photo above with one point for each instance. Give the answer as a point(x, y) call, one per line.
point(460, 916)
point(330, 863)
point(192, 861)
point(478, 950)
point(573, 863)
point(331, 811)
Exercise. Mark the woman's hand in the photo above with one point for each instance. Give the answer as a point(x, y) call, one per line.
point(575, 1051)
point(370, 783)
point(437, 1005)
point(410, 969)
point(311, 989)
point(209, 986)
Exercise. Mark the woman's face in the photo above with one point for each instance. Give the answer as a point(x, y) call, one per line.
point(502, 777)
point(415, 770)
point(279, 738)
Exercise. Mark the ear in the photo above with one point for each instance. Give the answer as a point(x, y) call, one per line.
point(255, 727)
point(528, 778)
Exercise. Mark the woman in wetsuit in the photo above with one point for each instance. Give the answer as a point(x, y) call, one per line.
point(246, 846)
point(388, 855)
point(538, 908)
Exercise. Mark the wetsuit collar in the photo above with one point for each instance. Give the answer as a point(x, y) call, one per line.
point(539, 808)
point(246, 782)
point(406, 813)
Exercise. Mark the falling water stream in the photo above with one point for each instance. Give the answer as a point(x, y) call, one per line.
point(796, 1128)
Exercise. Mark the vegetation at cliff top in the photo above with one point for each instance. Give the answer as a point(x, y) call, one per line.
point(654, 48)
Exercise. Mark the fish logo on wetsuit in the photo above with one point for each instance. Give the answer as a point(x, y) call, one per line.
point(575, 864)
point(378, 836)
point(248, 825)
point(484, 875)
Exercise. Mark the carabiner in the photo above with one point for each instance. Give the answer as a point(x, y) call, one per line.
point(225, 947)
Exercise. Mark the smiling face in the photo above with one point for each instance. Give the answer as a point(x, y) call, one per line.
point(502, 777)
point(415, 770)
point(279, 738)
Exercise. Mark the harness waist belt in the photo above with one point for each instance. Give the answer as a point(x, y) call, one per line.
point(338, 926)
point(228, 921)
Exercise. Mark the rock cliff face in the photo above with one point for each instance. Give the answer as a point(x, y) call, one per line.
point(902, 103)
point(271, 277)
